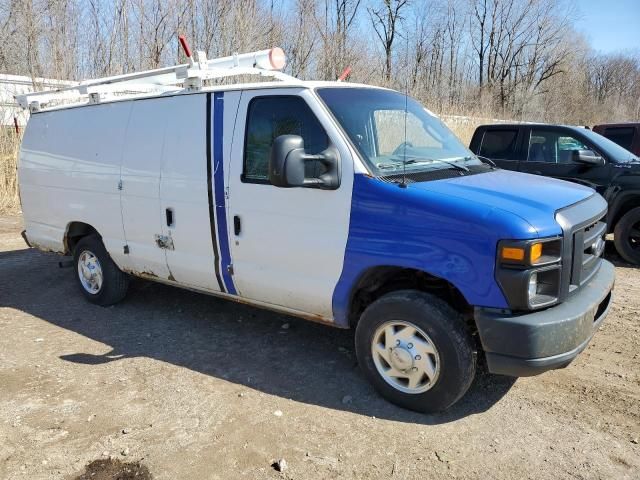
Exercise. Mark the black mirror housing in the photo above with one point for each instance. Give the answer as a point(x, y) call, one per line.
point(588, 157)
point(287, 164)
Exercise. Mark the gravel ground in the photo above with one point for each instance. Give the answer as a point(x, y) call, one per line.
point(193, 387)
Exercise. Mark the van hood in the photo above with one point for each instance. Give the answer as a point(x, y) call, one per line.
point(533, 198)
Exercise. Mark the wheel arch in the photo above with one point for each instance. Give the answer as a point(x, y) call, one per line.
point(377, 281)
point(74, 232)
point(622, 204)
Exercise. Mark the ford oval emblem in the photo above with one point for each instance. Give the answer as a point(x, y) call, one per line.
point(597, 247)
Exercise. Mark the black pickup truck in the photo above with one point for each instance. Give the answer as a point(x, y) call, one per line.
point(578, 155)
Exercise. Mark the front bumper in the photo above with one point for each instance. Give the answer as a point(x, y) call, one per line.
point(532, 343)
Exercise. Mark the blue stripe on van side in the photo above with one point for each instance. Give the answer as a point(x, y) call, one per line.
point(218, 179)
point(212, 211)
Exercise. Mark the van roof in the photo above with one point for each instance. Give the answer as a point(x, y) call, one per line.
point(294, 83)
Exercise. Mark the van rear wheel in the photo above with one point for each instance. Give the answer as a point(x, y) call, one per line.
point(415, 350)
point(626, 236)
point(100, 280)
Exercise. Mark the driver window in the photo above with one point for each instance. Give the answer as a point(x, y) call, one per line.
point(390, 125)
point(552, 147)
point(270, 117)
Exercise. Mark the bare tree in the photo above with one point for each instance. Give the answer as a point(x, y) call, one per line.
point(334, 22)
point(510, 58)
point(385, 21)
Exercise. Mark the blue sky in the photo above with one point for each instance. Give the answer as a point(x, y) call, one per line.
point(610, 25)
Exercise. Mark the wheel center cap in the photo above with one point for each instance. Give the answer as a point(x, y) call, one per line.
point(401, 358)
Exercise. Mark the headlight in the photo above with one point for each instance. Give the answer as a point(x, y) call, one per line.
point(529, 253)
point(528, 272)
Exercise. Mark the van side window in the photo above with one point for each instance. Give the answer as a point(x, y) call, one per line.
point(270, 117)
point(499, 144)
point(552, 147)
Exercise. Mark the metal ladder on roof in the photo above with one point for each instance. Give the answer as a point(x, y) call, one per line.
point(189, 76)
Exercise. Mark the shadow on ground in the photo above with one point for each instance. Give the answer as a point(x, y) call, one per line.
point(306, 362)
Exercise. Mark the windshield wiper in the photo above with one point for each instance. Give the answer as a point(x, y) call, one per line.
point(454, 165)
point(399, 163)
point(486, 160)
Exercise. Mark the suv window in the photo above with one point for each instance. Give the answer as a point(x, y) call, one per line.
point(623, 136)
point(270, 117)
point(552, 147)
point(499, 144)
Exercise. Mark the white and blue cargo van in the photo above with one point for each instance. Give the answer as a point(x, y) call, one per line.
point(344, 204)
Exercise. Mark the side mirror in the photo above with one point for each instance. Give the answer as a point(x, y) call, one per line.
point(287, 164)
point(588, 157)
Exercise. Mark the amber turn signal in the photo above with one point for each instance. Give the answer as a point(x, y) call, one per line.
point(512, 253)
point(535, 252)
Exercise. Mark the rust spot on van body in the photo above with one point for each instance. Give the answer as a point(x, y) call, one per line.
point(143, 273)
point(42, 248)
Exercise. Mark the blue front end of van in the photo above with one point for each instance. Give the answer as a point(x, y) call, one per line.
point(455, 230)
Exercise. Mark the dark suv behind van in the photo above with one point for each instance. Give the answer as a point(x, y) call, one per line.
point(577, 155)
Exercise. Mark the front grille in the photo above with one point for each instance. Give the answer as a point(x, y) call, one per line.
point(588, 246)
point(584, 229)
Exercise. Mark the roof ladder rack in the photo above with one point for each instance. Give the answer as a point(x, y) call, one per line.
point(191, 76)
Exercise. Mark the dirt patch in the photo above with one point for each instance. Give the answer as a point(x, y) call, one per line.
point(114, 469)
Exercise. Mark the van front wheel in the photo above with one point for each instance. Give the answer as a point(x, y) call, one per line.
point(100, 280)
point(415, 350)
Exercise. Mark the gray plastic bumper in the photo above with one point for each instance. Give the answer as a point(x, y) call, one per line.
point(529, 344)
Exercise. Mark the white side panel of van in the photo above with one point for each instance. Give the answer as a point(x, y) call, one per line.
point(69, 172)
point(140, 196)
point(184, 190)
point(291, 247)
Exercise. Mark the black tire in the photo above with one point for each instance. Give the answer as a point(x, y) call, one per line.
point(446, 330)
point(626, 236)
point(114, 282)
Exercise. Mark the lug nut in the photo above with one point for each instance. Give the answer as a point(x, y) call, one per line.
point(398, 342)
point(410, 345)
point(418, 357)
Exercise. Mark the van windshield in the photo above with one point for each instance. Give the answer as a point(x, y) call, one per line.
point(391, 138)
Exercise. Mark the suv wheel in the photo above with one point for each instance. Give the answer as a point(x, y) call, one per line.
point(100, 280)
point(627, 236)
point(415, 350)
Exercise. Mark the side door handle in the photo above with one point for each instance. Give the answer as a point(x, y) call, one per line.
point(237, 227)
point(169, 216)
